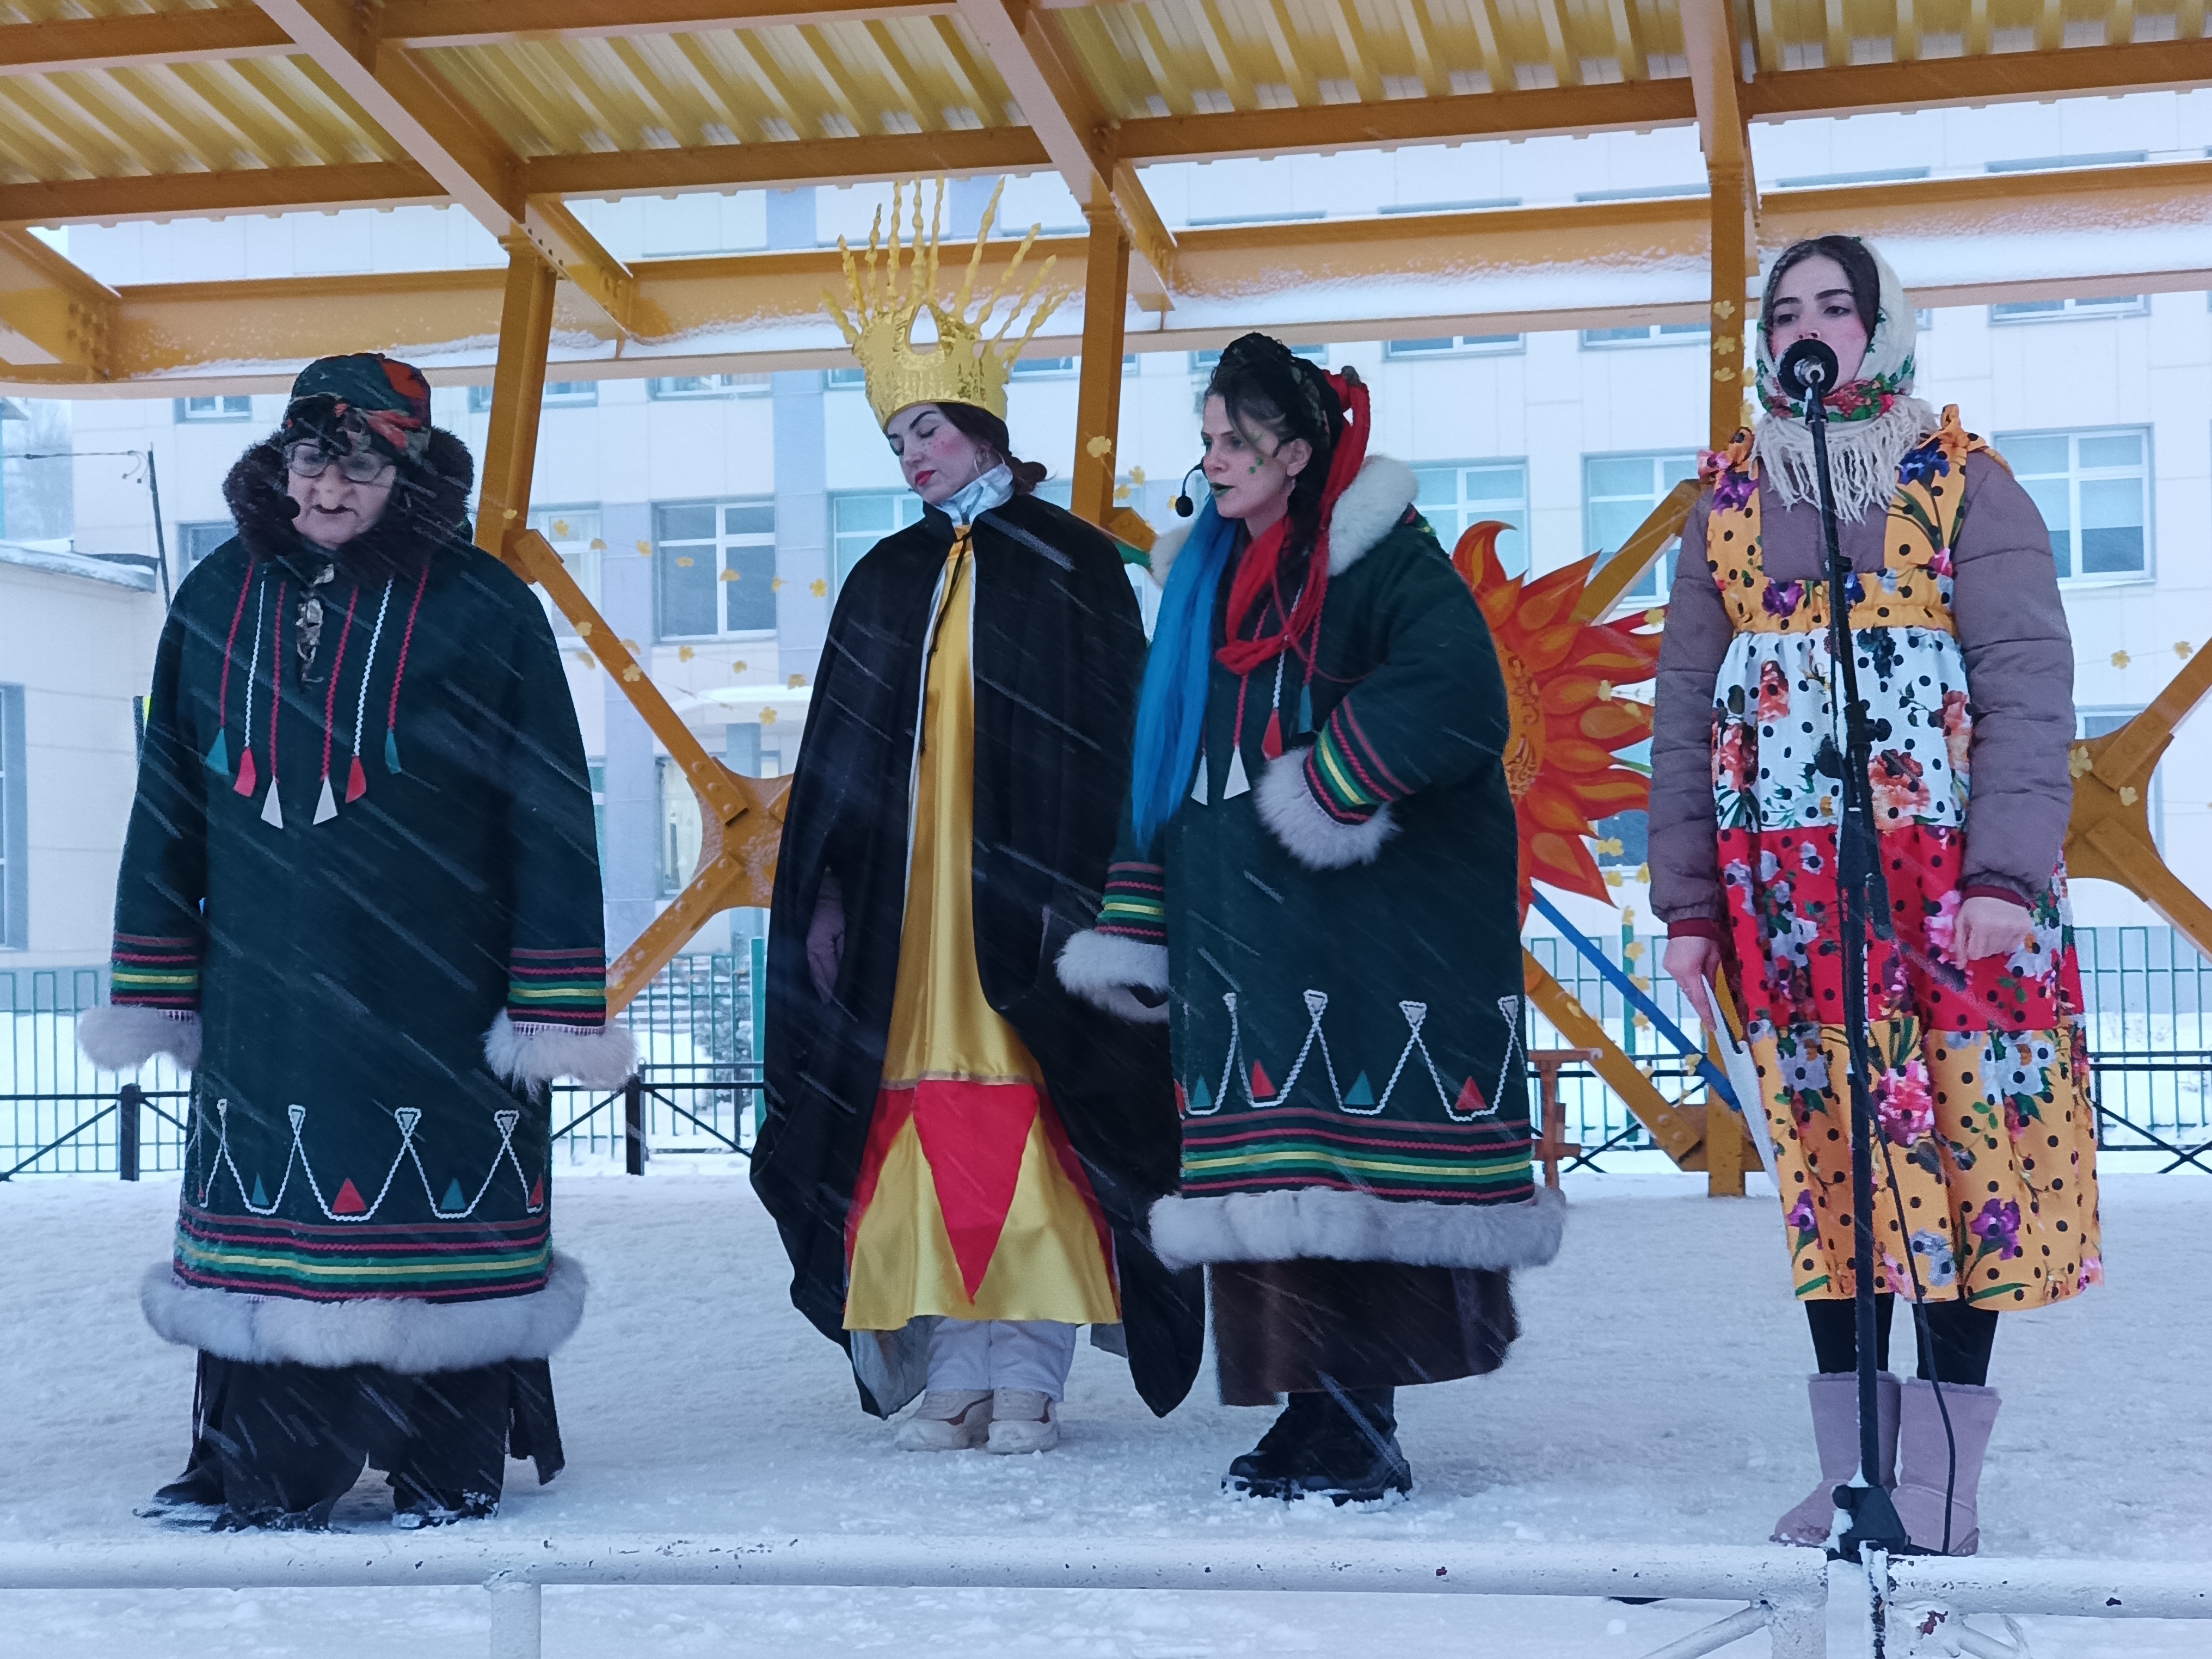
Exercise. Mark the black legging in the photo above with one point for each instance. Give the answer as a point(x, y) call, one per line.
point(1962, 1336)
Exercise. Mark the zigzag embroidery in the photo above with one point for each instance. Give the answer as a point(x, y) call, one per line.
point(408, 1117)
point(1467, 1106)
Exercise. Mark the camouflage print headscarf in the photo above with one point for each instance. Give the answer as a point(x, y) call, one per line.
point(367, 396)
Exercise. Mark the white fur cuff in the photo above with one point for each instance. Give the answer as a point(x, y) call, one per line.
point(398, 1333)
point(1100, 967)
point(119, 1037)
point(1344, 1226)
point(1287, 807)
point(530, 1054)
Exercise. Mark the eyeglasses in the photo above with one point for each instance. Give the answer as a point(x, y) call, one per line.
point(309, 459)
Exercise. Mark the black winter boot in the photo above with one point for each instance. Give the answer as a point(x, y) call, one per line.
point(1356, 1458)
point(1267, 1469)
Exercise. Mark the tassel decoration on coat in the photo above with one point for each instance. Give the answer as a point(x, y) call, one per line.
point(326, 806)
point(272, 812)
point(390, 751)
point(1239, 783)
point(218, 755)
point(1197, 788)
point(356, 781)
point(245, 773)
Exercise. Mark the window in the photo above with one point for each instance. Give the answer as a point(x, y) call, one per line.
point(14, 826)
point(705, 385)
point(1032, 367)
point(2096, 723)
point(558, 394)
point(860, 520)
point(2051, 311)
point(196, 541)
point(1202, 363)
point(715, 568)
point(574, 534)
point(2110, 158)
point(680, 829)
point(197, 409)
point(1458, 345)
point(1618, 494)
point(837, 377)
point(2093, 491)
point(1453, 497)
point(1649, 334)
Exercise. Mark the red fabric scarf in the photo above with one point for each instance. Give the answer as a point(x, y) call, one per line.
point(1258, 575)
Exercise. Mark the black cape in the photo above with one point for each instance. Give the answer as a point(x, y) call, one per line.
point(1058, 651)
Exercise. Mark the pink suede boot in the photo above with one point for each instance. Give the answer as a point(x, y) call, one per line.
point(1836, 1435)
point(1924, 1466)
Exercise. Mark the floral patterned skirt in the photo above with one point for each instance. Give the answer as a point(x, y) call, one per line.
point(1985, 1175)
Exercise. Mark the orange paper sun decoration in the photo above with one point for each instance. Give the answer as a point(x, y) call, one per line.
point(1563, 680)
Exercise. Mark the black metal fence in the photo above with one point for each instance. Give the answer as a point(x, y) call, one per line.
point(2147, 992)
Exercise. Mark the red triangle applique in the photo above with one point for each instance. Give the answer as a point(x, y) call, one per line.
point(347, 1202)
point(1263, 1088)
point(1182, 1101)
point(246, 774)
point(537, 1193)
point(973, 1135)
point(1470, 1100)
point(1271, 742)
point(356, 781)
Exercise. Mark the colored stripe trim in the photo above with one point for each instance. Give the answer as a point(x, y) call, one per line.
point(1519, 1194)
point(1356, 747)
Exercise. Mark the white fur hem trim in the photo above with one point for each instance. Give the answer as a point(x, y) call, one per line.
point(118, 1037)
point(530, 1054)
point(400, 1333)
point(1369, 510)
point(1316, 840)
point(1167, 546)
point(1341, 1226)
point(1100, 967)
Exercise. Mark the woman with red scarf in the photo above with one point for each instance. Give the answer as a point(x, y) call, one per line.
point(1316, 891)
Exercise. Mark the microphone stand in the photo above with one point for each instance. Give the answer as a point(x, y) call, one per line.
point(1864, 899)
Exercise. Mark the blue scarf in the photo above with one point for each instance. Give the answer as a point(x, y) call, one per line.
point(1171, 709)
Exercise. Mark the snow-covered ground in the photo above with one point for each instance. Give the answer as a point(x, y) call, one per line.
point(1657, 1395)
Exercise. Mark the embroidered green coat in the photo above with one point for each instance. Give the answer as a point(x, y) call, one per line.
point(360, 895)
point(1336, 930)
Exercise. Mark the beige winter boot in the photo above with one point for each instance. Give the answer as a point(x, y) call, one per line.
point(1925, 1468)
point(1835, 1397)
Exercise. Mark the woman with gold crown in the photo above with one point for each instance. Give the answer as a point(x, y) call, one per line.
point(1985, 1174)
point(958, 1153)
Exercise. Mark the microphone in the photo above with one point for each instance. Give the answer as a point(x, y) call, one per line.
point(1807, 368)
point(1184, 506)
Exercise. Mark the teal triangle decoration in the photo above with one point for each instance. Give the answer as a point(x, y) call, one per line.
point(1201, 1101)
point(390, 750)
point(260, 1193)
point(218, 754)
point(1361, 1093)
point(454, 1199)
point(1305, 709)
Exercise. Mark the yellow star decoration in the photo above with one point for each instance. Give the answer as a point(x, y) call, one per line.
point(588, 659)
point(796, 680)
point(738, 667)
point(1605, 695)
point(2183, 650)
point(630, 646)
point(597, 545)
point(767, 717)
point(1655, 617)
point(1136, 476)
point(633, 673)
point(1632, 951)
point(1099, 449)
point(645, 547)
point(684, 562)
point(2120, 660)
point(2128, 795)
point(1724, 309)
point(731, 576)
point(560, 528)
point(2078, 761)
point(775, 585)
point(583, 631)
point(819, 587)
point(684, 654)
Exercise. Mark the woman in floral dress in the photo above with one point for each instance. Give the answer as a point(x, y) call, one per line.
point(1985, 1173)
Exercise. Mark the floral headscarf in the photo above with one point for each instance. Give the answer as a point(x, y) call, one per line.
point(368, 394)
point(1873, 418)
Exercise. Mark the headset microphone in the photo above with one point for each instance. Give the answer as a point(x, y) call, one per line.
point(1184, 506)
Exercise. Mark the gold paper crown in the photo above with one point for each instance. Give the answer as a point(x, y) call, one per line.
point(960, 366)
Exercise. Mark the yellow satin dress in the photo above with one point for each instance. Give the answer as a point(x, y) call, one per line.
point(970, 1203)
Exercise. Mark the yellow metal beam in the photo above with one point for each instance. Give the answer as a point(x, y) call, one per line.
point(65, 46)
point(1032, 55)
point(1098, 398)
point(52, 315)
point(1672, 1127)
point(509, 23)
point(1994, 78)
point(833, 162)
point(441, 131)
point(518, 394)
point(1709, 41)
point(213, 195)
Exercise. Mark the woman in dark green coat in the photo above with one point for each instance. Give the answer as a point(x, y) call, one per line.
point(1316, 890)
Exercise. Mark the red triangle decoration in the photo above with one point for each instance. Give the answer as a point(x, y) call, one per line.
point(1271, 744)
point(246, 775)
point(1470, 1100)
point(1182, 1101)
point(356, 781)
point(1262, 1087)
point(349, 1201)
point(973, 1135)
point(537, 1193)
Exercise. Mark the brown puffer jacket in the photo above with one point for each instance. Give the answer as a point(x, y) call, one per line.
point(2020, 671)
